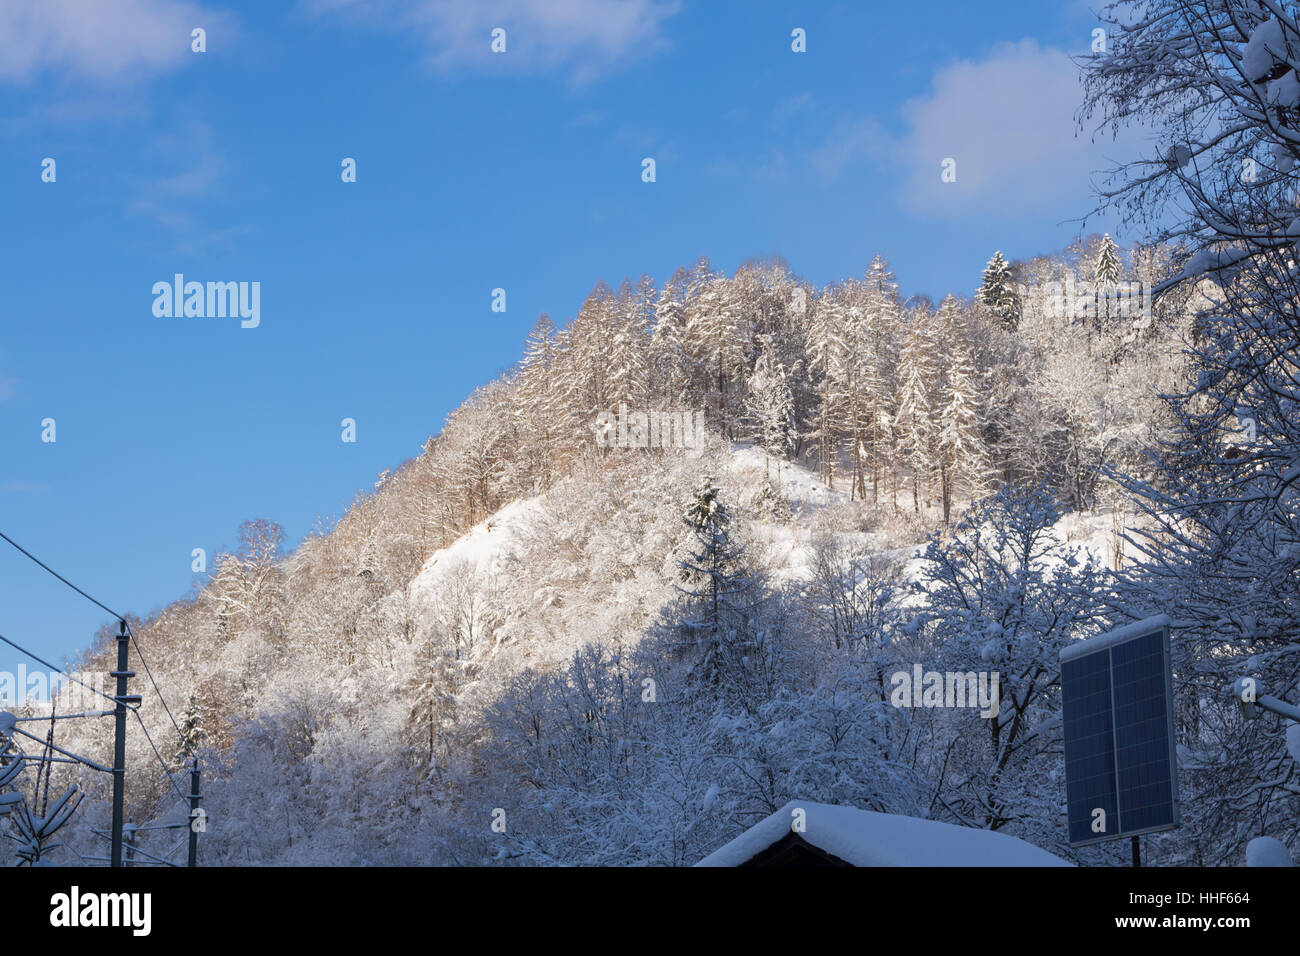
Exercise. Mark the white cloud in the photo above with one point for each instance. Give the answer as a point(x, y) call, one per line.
point(101, 40)
point(584, 36)
point(1008, 121)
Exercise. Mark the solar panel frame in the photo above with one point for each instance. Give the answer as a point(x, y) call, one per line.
point(1111, 799)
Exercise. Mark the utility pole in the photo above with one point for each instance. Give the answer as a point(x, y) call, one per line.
point(195, 797)
point(119, 741)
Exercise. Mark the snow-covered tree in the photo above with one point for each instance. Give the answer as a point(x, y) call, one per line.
point(713, 340)
point(771, 409)
point(914, 431)
point(1107, 269)
point(827, 356)
point(537, 406)
point(718, 585)
point(997, 292)
point(669, 366)
point(1220, 541)
point(192, 734)
point(999, 598)
point(960, 440)
point(876, 347)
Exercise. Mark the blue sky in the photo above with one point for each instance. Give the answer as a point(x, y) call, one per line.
point(475, 170)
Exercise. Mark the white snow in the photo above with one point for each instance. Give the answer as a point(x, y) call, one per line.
point(1117, 636)
point(484, 545)
point(1266, 47)
point(482, 553)
point(867, 838)
point(1267, 851)
point(1285, 91)
point(710, 798)
point(1293, 741)
point(799, 486)
point(483, 548)
point(1282, 158)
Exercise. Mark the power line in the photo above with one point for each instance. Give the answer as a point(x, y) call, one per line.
point(58, 670)
point(119, 702)
point(166, 772)
point(161, 699)
point(129, 630)
point(61, 577)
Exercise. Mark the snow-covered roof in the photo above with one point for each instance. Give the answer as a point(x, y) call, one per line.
point(866, 838)
point(1117, 636)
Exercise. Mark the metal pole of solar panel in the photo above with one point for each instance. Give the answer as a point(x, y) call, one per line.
point(195, 796)
point(1137, 851)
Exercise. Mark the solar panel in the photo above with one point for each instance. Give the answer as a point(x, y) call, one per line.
point(1121, 774)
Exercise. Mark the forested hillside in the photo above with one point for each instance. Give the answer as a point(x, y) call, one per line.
point(534, 644)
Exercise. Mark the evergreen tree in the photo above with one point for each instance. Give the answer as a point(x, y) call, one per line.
point(593, 345)
point(1219, 546)
point(997, 293)
point(537, 406)
point(827, 357)
point(629, 358)
point(914, 422)
point(431, 688)
point(960, 425)
point(1106, 272)
point(874, 342)
point(1107, 269)
point(716, 582)
point(771, 408)
point(669, 365)
point(191, 736)
point(714, 342)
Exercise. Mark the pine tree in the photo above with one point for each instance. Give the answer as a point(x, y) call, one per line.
point(1218, 548)
point(537, 404)
point(592, 341)
point(192, 734)
point(713, 341)
point(857, 389)
point(431, 689)
point(914, 421)
point(771, 408)
point(997, 293)
point(629, 358)
point(1106, 273)
point(1107, 269)
point(669, 365)
point(716, 582)
point(873, 343)
point(828, 358)
point(960, 426)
